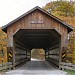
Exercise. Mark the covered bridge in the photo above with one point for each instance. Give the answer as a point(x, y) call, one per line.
point(36, 29)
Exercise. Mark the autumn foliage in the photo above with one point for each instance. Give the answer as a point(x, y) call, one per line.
point(3, 47)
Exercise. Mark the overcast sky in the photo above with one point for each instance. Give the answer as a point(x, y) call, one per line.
point(11, 9)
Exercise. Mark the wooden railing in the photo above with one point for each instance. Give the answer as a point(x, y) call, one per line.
point(69, 66)
point(5, 66)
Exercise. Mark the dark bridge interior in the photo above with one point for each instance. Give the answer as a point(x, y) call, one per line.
point(27, 39)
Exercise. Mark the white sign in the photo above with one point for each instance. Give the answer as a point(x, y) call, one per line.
point(36, 22)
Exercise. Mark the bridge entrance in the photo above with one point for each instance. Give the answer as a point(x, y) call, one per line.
point(27, 39)
point(36, 29)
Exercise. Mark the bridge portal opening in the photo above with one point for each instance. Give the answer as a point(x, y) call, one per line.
point(27, 39)
point(37, 55)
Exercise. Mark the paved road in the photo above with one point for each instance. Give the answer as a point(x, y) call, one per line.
point(36, 68)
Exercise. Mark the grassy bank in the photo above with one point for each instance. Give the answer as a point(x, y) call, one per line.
point(70, 72)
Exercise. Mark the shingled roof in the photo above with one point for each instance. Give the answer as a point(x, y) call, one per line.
point(70, 28)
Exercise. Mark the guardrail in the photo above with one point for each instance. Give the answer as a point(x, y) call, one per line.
point(64, 65)
point(5, 66)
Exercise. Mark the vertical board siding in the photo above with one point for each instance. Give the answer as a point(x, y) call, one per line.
point(48, 23)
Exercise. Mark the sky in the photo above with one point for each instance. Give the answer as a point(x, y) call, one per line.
point(11, 9)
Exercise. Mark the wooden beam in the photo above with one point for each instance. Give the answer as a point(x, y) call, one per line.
point(55, 46)
point(52, 44)
point(54, 34)
point(15, 32)
point(60, 52)
point(54, 54)
point(55, 42)
point(13, 54)
point(16, 40)
point(20, 47)
point(20, 54)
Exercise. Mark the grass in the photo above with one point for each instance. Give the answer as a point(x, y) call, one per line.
point(70, 72)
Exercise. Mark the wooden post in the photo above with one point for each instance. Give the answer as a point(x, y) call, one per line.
point(13, 54)
point(45, 55)
point(30, 53)
point(60, 50)
point(26, 53)
point(48, 54)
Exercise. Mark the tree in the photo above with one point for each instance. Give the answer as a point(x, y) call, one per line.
point(3, 49)
point(64, 7)
point(52, 6)
point(67, 8)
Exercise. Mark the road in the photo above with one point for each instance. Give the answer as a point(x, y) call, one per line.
point(36, 68)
